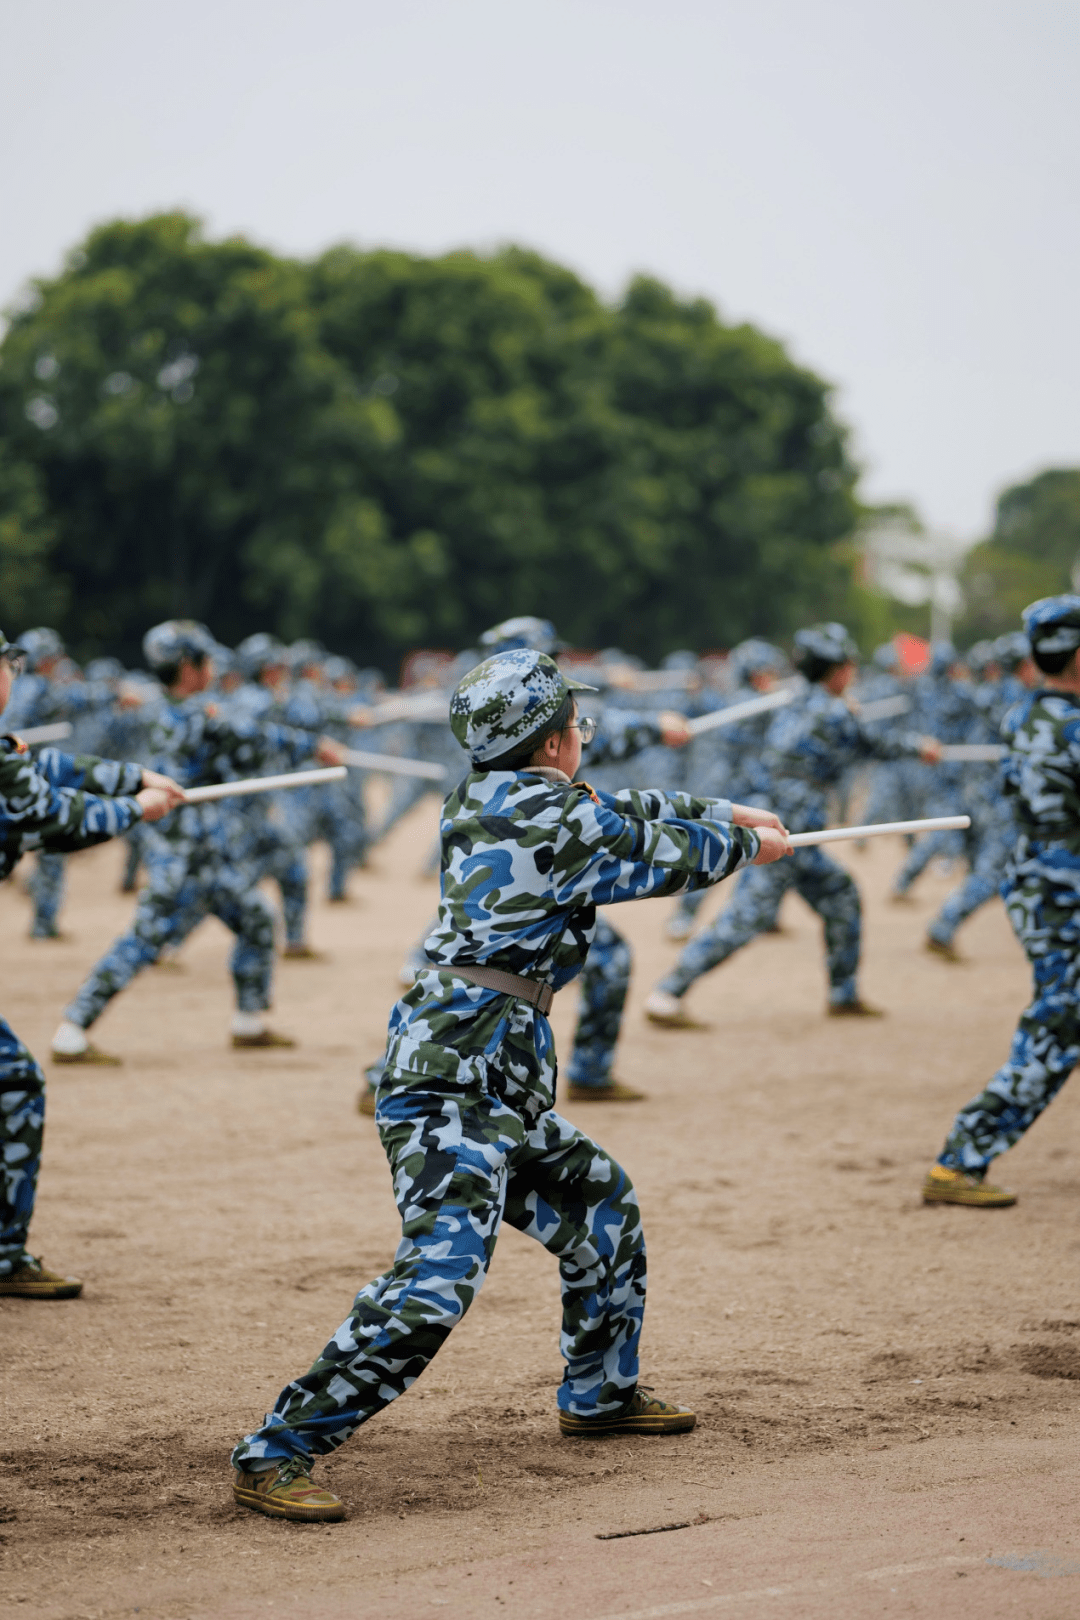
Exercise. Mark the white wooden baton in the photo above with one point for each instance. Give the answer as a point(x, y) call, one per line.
point(740, 711)
point(266, 784)
point(46, 734)
point(972, 752)
point(836, 835)
point(395, 765)
point(885, 708)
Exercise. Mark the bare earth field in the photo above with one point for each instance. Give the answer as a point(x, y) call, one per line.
point(886, 1393)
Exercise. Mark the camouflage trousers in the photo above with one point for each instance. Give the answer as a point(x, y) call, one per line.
point(463, 1163)
point(948, 844)
point(1046, 1045)
point(603, 982)
point(47, 892)
point(134, 841)
point(753, 909)
point(988, 846)
point(180, 892)
point(274, 852)
point(22, 1125)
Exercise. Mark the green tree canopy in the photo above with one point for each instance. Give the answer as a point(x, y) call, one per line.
point(1033, 551)
point(381, 449)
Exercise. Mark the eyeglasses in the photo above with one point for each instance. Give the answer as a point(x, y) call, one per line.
point(14, 660)
point(587, 728)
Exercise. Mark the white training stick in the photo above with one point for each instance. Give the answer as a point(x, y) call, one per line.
point(836, 835)
point(740, 711)
point(411, 706)
point(266, 784)
point(885, 708)
point(972, 751)
point(394, 765)
point(46, 734)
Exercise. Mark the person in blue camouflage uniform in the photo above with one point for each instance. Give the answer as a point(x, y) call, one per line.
point(269, 824)
point(42, 698)
point(1041, 777)
point(465, 1109)
point(731, 755)
point(988, 842)
point(55, 802)
point(619, 734)
point(809, 744)
point(897, 787)
point(943, 706)
point(191, 861)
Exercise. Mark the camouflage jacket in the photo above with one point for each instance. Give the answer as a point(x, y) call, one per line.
point(1041, 777)
point(809, 746)
point(527, 856)
point(59, 802)
point(197, 743)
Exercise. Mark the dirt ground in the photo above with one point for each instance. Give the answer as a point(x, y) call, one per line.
point(886, 1393)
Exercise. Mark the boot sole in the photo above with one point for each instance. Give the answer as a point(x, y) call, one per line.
point(286, 1510)
point(55, 1291)
point(969, 1200)
point(582, 1428)
point(97, 1060)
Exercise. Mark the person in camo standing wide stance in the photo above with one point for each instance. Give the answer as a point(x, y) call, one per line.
point(465, 1101)
point(808, 747)
point(1041, 890)
point(56, 803)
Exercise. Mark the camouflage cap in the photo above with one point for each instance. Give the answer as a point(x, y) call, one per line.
point(828, 643)
point(754, 657)
point(41, 644)
point(1053, 624)
point(506, 700)
point(261, 651)
point(11, 648)
point(943, 655)
point(1012, 649)
point(166, 644)
point(524, 631)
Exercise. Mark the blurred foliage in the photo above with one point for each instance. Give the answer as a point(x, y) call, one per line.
point(1034, 551)
point(382, 450)
point(32, 591)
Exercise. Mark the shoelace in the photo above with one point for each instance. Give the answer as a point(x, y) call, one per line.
point(295, 1468)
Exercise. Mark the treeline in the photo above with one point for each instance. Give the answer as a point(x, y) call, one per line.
point(1033, 551)
point(380, 450)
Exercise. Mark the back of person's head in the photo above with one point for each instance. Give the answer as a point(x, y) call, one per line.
point(821, 648)
point(1052, 625)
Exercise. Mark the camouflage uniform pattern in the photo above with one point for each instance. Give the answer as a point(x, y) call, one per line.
point(192, 869)
point(809, 745)
point(54, 802)
point(989, 841)
point(1042, 899)
point(465, 1103)
point(37, 700)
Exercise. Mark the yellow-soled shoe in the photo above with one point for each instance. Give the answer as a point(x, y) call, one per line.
point(90, 1054)
point(286, 1492)
point(943, 948)
point(854, 1009)
point(365, 1103)
point(644, 1415)
point(302, 953)
point(31, 1280)
point(613, 1091)
point(265, 1038)
point(946, 1186)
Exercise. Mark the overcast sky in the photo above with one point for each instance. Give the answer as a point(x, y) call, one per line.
point(891, 188)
